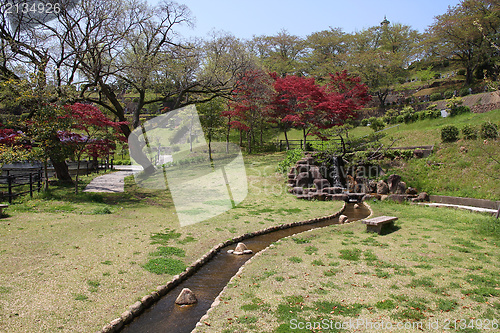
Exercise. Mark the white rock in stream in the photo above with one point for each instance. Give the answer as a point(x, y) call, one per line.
point(343, 219)
point(241, 248)
point(186, 297)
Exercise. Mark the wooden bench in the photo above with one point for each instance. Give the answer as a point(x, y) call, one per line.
point(2, 206)
point(375, 224)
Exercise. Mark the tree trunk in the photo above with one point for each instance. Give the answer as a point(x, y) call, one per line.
point(137, 112)
point(262, 133)
point(46, 175)
point(227, 138)
point(137, 153)
point(95, 163)
point(342, 143)
point(382, 96)
point(286, 139)
point(249, 140)
point(210, 148)
point(469, 75)
point(498, 212)
point(62, 171)
point(241, 138)
point(305, 139)
point(77, 172)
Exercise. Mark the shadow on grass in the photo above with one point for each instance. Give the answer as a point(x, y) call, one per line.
point(389, 229)
point(133, 196)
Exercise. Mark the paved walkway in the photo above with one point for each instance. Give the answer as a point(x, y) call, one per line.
point(471, 208)
point(110, 183)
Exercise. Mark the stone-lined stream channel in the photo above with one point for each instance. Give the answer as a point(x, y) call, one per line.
point(167, 317)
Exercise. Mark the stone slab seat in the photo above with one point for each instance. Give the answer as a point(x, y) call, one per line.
point(2, 206)
point(375, 224)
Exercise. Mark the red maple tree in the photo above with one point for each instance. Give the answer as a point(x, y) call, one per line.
point(300, 102)
point(247, 110)
point(91, 132)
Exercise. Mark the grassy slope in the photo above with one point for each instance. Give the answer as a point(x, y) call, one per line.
point(441, 264)
point(67, 268)
point(448, 171)
point(452, 172)
point(428, 131)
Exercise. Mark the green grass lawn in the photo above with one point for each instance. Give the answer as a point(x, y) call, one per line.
point(73, 263)
point(439, 265)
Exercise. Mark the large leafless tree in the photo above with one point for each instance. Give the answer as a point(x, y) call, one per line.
point(101, 49)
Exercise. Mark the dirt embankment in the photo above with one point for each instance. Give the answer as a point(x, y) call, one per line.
point(479, 103)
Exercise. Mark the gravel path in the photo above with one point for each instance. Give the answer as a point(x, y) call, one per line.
point(110, 183)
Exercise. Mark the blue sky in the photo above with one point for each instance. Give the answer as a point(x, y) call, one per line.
point(267, 17)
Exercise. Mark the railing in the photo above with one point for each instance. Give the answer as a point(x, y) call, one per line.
point(12, 186)
point(299, 144)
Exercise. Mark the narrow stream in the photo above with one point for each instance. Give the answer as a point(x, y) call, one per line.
point(167, 317)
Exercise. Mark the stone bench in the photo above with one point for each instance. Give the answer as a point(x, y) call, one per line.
point(375, 224)
point(2, 206)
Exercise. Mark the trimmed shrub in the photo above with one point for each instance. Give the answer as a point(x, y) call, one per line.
point(464, 91)
point(408, 114)
point(459, 110)
point(431, 112)
point(376, 124)
point(420, 115)
point(449, 133)
point(390, 116)
point(456, 107)
point(352, 122)
point(409, 117)
point(448, 94)
point(469, 132)
point(435, 97)
point(364, 122)
point(489, 131)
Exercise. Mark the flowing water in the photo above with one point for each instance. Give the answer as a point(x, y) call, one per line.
point(167, 317)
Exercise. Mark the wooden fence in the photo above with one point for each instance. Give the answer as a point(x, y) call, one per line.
point(20, 179)
point(299, 144)
point(12, 186)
